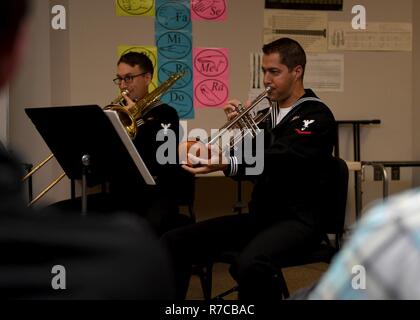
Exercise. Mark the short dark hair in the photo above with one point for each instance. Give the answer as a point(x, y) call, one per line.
point(140, 59)
point(290, 51)
point(12, 13)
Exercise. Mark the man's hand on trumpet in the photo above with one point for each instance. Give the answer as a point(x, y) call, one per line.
point(204, 158)
point(232, 108)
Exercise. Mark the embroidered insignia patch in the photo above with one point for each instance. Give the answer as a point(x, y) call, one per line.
point(306, 124)
point(165, 127)
point(305, 127)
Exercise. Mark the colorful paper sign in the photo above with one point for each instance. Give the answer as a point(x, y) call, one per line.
point(211, 77)
point(135, 7)
point(210, 10)
point(173, 33)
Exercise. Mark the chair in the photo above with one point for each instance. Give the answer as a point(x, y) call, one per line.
point(335, 190)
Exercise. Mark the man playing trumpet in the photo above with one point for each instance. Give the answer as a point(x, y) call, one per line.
point(286, 204)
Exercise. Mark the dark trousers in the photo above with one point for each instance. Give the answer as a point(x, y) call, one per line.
point(261, 248)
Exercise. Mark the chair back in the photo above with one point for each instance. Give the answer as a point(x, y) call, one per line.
point(335, 189)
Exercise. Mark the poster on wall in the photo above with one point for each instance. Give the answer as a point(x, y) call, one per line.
point(378, 36)
point(325, 72)
point(211, 77)
point(333, 5)
point(209, 10)
point(128, 8)
point(309, 28)
point(173, 36)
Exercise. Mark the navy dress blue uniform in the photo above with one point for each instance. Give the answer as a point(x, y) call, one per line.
point(285, 209)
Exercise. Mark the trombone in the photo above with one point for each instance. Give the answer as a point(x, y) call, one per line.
point(50, 186)
point(128, 117)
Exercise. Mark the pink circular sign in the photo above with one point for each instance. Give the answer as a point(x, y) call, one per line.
point(209, 9)
point(211, 92)
point(211, 62)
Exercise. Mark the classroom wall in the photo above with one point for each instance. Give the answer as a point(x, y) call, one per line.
point(76, 66)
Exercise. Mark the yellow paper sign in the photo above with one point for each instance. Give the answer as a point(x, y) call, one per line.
point(130, 8)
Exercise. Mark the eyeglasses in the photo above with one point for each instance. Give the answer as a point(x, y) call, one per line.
point(128, 78)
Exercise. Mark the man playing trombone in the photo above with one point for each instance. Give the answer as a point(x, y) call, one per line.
point(284, 212)
point(129, 191)
point(134, 76)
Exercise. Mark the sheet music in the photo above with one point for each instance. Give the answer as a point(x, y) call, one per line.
point(325, 72)
point(378, 36)
point(113, 117)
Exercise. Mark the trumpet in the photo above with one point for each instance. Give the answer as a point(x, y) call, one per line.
point(128, 117)
point(246, 121)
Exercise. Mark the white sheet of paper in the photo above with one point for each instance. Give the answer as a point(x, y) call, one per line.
point(378, 36)
point(325, 72)
point(309, 28)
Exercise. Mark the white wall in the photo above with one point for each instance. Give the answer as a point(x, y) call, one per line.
point(33, 87)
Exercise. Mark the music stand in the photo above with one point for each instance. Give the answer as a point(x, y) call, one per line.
point(88, 143)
